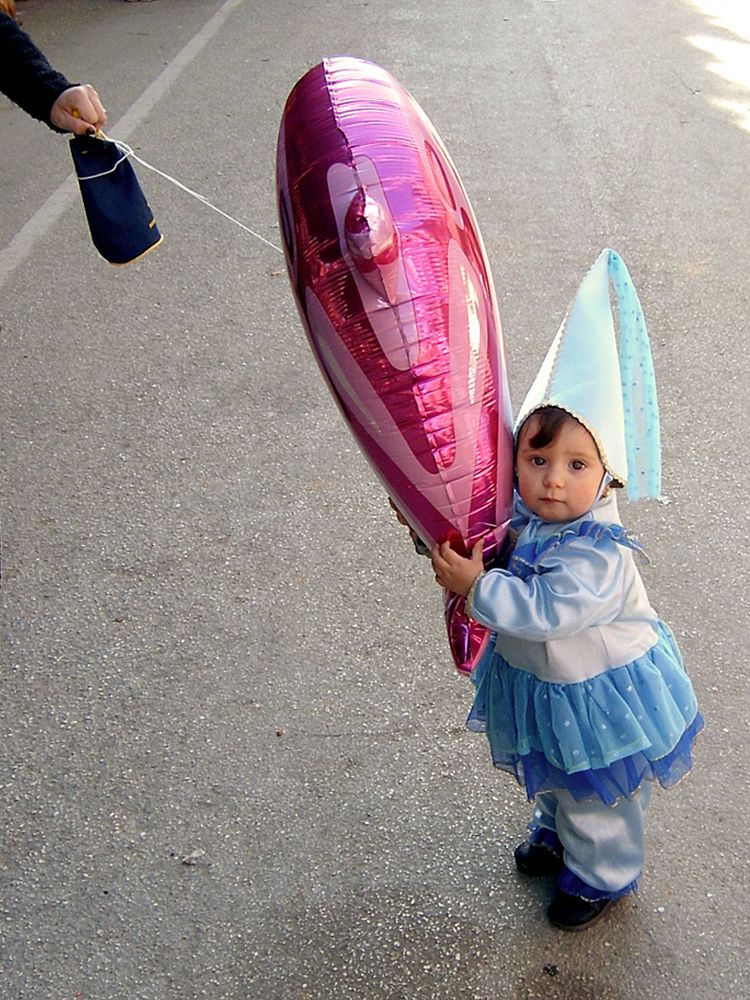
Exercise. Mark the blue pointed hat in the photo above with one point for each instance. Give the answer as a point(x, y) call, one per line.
point(611, 392)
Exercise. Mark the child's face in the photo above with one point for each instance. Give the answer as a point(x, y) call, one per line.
point(561, 481)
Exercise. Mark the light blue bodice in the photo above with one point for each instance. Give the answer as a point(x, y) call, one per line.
point(584, 687)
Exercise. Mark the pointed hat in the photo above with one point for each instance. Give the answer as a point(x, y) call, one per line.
point(612, 393)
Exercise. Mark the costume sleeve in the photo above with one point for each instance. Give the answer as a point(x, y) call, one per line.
point(579, 585)
point(25, 75)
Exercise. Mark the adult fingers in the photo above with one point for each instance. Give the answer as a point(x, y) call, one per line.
point(78, 110)
point(87, 105)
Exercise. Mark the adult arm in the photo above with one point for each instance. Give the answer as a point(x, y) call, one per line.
point(27, 78)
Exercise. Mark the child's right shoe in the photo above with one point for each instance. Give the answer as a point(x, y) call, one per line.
point(537, 859)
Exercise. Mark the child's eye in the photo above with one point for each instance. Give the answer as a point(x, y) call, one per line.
point(578, 464)
point(537, 460)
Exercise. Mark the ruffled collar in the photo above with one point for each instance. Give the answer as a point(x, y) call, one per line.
point(604, 510)
point(541, 537)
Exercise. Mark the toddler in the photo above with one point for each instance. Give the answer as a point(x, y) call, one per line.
point(582, 693)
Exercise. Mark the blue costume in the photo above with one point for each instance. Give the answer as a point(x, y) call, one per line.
point(582, 693)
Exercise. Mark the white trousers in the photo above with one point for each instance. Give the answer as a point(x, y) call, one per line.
point(603, 845)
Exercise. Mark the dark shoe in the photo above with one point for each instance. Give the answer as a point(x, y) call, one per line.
point(572, 913)
point(537, 859)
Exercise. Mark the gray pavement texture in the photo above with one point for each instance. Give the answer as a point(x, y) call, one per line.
point(233, 759)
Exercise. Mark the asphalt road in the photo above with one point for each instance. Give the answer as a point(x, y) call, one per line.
point(233, 756)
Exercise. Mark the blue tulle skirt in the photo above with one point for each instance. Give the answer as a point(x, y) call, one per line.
point(598, 738)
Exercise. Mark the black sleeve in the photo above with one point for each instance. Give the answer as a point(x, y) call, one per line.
point(25, 75)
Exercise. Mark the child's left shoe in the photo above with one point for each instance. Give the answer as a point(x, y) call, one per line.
point(572, 913)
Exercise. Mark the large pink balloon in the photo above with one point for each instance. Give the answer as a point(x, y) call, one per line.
point(395, 293)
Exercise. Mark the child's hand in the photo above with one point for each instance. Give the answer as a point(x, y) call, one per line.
point(453, 571)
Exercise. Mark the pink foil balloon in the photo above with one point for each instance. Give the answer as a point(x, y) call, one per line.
point(394, 290)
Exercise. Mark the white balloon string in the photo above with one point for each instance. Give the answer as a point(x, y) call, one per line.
point(127, 151)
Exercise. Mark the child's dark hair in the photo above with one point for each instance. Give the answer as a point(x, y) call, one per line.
point(549, 422)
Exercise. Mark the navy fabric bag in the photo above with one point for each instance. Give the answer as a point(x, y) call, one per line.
point(122, 225)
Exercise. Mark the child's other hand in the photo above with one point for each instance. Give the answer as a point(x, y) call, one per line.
point(453, 571)
point(419, 545)
point(399, 516)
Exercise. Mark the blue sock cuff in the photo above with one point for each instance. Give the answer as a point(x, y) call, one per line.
point(541, 836)
point(569, 883)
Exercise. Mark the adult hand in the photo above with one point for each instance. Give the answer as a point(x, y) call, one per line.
point(453, 571)
point(78, 109)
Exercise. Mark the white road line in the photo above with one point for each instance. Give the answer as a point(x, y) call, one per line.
point(26, 239)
